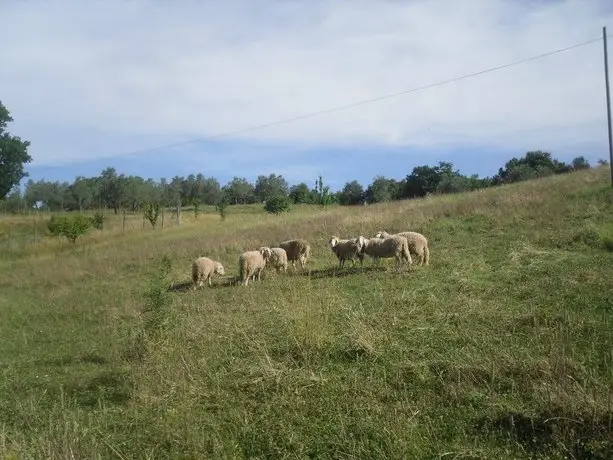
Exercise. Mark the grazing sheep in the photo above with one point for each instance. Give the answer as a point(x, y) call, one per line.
point(296, 250)
point(390, 246)
point(251, 263)
point(347, 249)
point(202, 270)
point(279, 259)
point(418, 245)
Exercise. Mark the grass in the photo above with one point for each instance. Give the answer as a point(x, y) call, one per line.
point(501, 348)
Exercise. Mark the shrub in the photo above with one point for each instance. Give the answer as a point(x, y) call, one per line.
point(277, 204)
point(152, 212)
point(97, 220)
point(69, 226)
point(221, 207)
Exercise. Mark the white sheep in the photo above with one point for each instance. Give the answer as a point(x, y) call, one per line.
point(202, 270)
point(418, 245)
point(296, 250)
point(387, 247)
point(251, 263)
point(278, 259)
point(347, 249)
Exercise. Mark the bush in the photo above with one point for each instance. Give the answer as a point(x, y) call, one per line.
point(277, 204)
point(97, 220)
point(152, 212)
point(69, 226)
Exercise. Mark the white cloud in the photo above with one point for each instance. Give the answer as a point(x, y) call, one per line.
point(189, 69)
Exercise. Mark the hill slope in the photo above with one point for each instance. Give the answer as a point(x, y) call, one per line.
point(501, 348)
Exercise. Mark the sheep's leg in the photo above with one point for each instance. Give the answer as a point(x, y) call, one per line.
point(210, 282)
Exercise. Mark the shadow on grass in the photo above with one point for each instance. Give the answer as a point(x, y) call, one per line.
point(111, 387)
point(554, 433)
point(330, 272)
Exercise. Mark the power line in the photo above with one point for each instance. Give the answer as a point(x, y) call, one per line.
point(342, 107)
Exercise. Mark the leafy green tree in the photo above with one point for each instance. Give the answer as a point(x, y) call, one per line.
point(352, 193)
point(273, 185)
point(580, 163)
point(381, 190)
point(112, 188)
point(322, 194)
point(239, 190)
point(300, 194)
point(13, 155)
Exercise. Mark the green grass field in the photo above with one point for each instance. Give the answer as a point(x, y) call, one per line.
point(501, 348)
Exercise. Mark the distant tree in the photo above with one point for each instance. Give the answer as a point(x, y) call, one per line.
point(273, 185)
point(239, 190)
point(352, 194)
point(603, 162)
point(13, 155)
point(580, 163)
point(322, 195)
point(82, 192)
point(381, 190)
point(112, 188)
point(533, 164)
point(300, 193)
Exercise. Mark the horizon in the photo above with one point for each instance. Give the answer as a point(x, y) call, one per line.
point(85, 99)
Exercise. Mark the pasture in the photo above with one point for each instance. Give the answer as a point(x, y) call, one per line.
point(501, 348)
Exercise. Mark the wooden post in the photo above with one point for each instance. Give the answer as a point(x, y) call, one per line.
point(123, 221)
point(608, 98)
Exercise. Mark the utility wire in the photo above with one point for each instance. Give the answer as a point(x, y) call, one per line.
point(342, 107)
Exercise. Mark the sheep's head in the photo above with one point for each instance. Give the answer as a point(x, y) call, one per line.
point(333, 241)
point(361, 242)
point(219, 269)
point(382, 234)
point(266, 252)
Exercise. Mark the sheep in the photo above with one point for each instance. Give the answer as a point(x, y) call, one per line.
point(418, 245)
point(279, 259)
point(387, 247)
point(296, 250)
point(347, 249)
point(251, 263)
point(202, 270)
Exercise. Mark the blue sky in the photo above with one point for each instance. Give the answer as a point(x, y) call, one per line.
point(172, 72)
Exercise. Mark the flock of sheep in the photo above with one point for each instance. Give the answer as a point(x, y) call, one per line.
point(384, 245)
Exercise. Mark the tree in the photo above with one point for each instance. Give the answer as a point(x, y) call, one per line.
point(381, 190)
point(322, 193)
point(352, 193)
point(300, 193)
point(13, 155)
point(273, 185)
point(239, 190)
point(580, 163)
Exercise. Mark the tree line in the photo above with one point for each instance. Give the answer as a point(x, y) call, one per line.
point(111, 190)
point(117, 192)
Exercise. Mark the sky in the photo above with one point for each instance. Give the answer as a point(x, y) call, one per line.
point(159, 88)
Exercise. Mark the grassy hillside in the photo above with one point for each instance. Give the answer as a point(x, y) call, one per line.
point(501, 348)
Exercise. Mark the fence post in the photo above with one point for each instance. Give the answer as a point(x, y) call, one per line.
point(123, 221)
